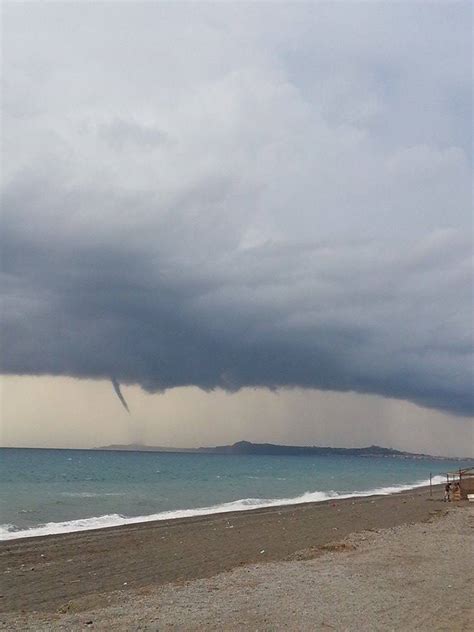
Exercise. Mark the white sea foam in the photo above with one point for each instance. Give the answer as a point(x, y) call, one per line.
point(8, 532)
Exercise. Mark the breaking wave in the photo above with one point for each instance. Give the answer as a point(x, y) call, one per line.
point(9, 532)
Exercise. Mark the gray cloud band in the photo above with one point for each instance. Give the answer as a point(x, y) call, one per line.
point(349, 316)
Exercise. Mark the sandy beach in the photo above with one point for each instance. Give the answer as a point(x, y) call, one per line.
point(400, 562)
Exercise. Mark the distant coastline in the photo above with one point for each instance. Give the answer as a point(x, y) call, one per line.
point(249, 448)
point(260, 449)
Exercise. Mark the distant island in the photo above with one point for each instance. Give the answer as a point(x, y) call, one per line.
point(247, 447)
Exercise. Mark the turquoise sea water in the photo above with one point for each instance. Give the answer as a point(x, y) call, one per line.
point(54, 491)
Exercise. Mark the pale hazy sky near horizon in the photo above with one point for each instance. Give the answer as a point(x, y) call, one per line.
point(68, 413)
point(222, 199)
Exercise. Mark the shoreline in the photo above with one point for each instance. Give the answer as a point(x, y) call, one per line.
point(46, 573)
point(110, 521)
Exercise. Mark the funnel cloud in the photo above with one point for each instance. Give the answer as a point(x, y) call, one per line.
point(116, 386)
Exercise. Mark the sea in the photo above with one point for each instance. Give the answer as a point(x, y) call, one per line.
point(59, 491)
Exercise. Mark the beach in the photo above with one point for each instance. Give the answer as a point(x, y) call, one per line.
point(296, 567)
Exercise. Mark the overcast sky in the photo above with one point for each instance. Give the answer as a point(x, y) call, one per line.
point(238, 196)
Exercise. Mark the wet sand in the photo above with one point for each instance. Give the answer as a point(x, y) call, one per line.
point(78, 570)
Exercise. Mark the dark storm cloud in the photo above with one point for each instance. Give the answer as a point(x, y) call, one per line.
point(220, 225)
point(344, 317)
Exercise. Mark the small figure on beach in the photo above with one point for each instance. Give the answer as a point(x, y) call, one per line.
point(447, 492)
point(456, 492)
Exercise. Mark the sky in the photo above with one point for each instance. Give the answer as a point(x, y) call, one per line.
point(257, 218)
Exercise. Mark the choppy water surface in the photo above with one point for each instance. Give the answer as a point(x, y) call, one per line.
point(55, 491)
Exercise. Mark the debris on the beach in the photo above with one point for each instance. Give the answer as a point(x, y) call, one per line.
point(89, 622)
point(125, 583)
point(305, 554)
point(262, 551)
point(339, 546)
